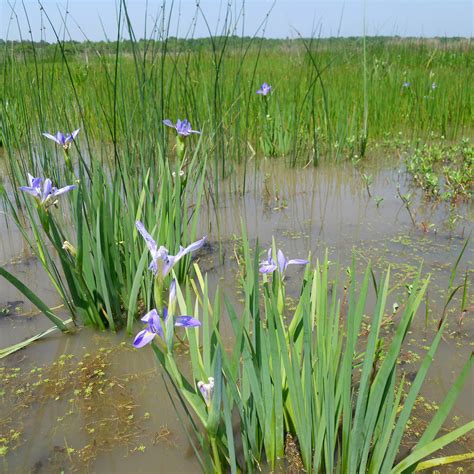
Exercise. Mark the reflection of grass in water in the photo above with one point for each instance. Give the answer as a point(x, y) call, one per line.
point(88, 393)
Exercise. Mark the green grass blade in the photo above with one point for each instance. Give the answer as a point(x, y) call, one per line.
point(432, 447)
point(33, 298)
point(21, 345)
point(132, 301)
point(432, 463)
point(410, 401)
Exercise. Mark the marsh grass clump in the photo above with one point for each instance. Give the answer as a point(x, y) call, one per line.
point(86, 240)
point(444, 171)
point(317, 380)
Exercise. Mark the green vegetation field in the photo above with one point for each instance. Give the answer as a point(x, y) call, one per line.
point(328, 99)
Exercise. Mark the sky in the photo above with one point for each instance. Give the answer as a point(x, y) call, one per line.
point(98, 20)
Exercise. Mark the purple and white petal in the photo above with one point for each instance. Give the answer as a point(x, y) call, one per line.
point(151, 244)
point(60, 138)
point(150, 315)
point(143, 338)
point(264, 89)
point(162, 253)
point(192, 247)
point(65, 189)
point(37, 182)
point(298, 261)
point(154, 322)
point(169, 123)
point(172, 295)
point(202, 388)
point(153, 267)
point(47, 188)
point(74, 134)
point(173, 260)
point(187, 322)
point(282, 261)
point(266, 267)
point(52, 137)
point(168, 264)
point(183, 127)
point(207, 390)
point(29, 190)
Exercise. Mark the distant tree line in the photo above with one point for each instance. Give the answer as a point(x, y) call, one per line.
point(45, 50)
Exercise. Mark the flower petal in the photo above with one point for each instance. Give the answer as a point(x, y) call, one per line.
point(187, 322)
point(143, 338)
point(282, 261)
point(47, 187)
point(154, 322)
point(36, 183)
point(168, 264)
point(51, 137)
point(150, 315)
point(60, 138)
point(297, 261)
point(153, 267)
point(205, 392)
point(65, 189)
point(151, 244)
point(266, 267)
point(172, 295)
point(169, 123)
point(190, 248)
point(29, 190)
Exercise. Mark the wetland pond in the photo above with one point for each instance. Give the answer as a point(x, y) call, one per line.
point(90, 402)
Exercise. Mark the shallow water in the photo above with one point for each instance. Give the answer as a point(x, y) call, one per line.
point(306, 210)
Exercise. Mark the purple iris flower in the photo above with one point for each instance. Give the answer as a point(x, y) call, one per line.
point(265, 89)
point(207, 390)
point(155, 326)
point(183, 127)
point(161, 253)
point(44, 192)
point(61, 139)
point(269, 265)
